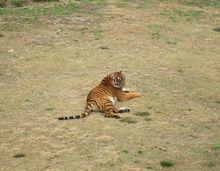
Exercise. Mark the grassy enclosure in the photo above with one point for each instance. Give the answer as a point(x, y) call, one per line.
point(53, 52)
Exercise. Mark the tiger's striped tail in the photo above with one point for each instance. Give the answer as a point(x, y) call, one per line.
point(83, 115)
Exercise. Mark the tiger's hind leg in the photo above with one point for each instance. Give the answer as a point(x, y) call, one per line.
point(110, 114)
point(109, 110)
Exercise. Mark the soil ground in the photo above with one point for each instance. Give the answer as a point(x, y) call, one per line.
point(51, 55)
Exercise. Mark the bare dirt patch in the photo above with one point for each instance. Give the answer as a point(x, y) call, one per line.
point(52, 55)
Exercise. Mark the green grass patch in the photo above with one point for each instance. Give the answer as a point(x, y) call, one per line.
point(101, 2)
point(193, 15)
point(142, 113)
point(97, 33)
point(57, 10)
point(178, 14)
point(64, 10)
point(19, 155)
point(87, 1)
point(18, 3)
point(211, 163)
point(196, 3)
point(201, 3)
point(166, 163)
point(127, 120)
point(216, 146)
point(44, 0)
point(121, 4)
point(97, 2)
point(142, 6)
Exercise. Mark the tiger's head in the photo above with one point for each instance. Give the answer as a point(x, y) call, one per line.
point(118, 79)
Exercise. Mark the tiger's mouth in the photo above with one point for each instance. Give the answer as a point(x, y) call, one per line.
point(118, 83)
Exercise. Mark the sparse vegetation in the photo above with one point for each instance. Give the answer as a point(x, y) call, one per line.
point(201, 3)
point(44, 0)
point(216, 146)
point(182, 71)
point(18, 3)
point(10, 27)
point(142, 113)
point(196, 3)
point(125, 151)
point(166, 163)
point(217, 29)
point(178, 14)
point(140, 152)
point(2, 3)
point(19, 155)
point(147, 119)
point(122, 4)
point(103, 48)
point(156, 36)
point(137, 161)
point(211, 163)
point(127, 120)
point(49, 109)
point(97, 33)
point(56, 10)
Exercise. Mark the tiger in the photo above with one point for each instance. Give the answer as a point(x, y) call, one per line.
point(103, 97)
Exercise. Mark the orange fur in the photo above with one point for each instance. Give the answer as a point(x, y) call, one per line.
point(102, 97)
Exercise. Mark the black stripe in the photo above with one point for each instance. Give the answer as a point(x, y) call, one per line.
point(97, 103)
point(106, 80)
point(77, 116)
point(88, 104)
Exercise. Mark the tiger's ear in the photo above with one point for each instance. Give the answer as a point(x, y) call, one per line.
point(121, 72)
point(112, 76)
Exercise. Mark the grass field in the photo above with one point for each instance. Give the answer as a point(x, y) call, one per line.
point(53, 53)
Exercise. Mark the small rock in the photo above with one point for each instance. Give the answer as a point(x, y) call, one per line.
point(11, 50)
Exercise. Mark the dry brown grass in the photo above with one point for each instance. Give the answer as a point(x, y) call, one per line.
point(48, 67)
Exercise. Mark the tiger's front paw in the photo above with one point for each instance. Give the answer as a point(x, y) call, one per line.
point(138, 94)
point(126, 90)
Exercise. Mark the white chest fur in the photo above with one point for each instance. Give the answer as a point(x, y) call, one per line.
point(112, 99)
